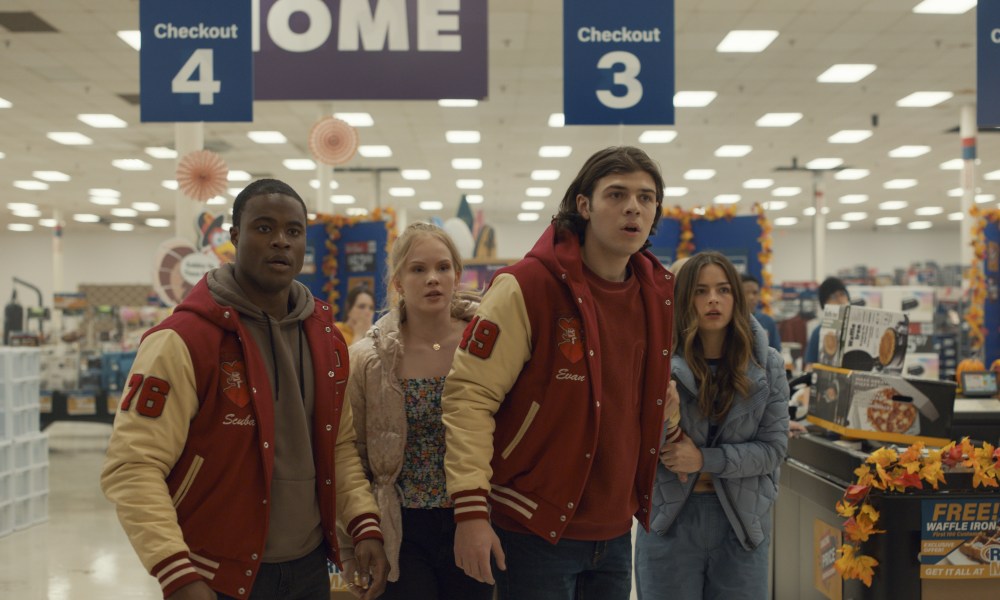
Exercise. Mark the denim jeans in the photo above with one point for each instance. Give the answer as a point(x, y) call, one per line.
point(305, 578)
point(568, 570)
point(699, 557)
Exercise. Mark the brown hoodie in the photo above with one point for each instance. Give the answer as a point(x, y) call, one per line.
point(294, 530)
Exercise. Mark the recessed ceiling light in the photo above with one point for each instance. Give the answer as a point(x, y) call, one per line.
point(146, 206)
point(2, 155)
point(86, 218)
point(854, 216)
point(235, 191)
point(675, 192)
point(846, 73)
point(657, 136)
point(955, 164)
point(458, 103)
point(124, 212)
point(851, 174)
point(929, 211)
point(527, 216)
point(956, 216)
point(758, 184)
point(746, 40)
point(51, 176)
point(835, 225)
point(170, 184)
point(131, 37)
point(469, 184)
point(431, 205)
point(21, 206)
point(402, 192)
point(853, 199)
point(474, 198)
point(415, 174)
point(299, 164)
point(694, 99)
point(955, 192)
point(131, 164)
point(893, 204)
point(314, 184)
point(102, 121)
point(824, 164)
point(355, 119)
point(992, 175)
point(849, 136)
point(786, 221)
point(538, 192)
point(69, 138)
point(121, 226)
point(158, 222)
point(699, 174)
point(5, 103)
point(237, 175)
point(944, 7)
point(544, 175)
point(357, 211)
point(161, 152)
point(27, 214)
point(105, 201)
point(899, 184)
point(216, 201)
point(466, 164)
point(462, 137)
point(779, 119)
point(20, 227)
point(31, 184)
point(557, 120)
point(380, 151)
point(532, 205)
point(733, 151)
point(909, 151)
point(923, 99)
point(52, 222)
point(888, 221)
point(919, 225)
point(726, 199)
point(775, 205)
point(555, 151)
point(786, 191)
point(267, 137)
point(343, 199)
point(981, 198)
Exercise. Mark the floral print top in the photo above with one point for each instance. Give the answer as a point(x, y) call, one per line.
point(421, 481)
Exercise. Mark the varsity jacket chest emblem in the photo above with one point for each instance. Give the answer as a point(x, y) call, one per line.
point(234, 382)
point(570, 340)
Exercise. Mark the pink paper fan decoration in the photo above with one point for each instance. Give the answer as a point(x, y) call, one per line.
point(332, 141)
point(202, 175)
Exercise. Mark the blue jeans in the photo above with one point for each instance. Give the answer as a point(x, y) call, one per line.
point(305, 578)
point(699, 557)
point(568, 570)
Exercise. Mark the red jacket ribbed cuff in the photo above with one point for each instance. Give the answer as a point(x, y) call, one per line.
point(471, 505)
point(174, 572)
point(365, 527)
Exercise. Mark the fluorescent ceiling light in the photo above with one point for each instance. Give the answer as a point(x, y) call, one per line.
point(469, 184)
point(377, 151)
point(786, 191)
point(849, 136)
point(657, 136)
point(170, 184)
point(775, 205)
point(431, 205)
point(343, 199)
point(161, 152)
point(544, 175)
point(299, 164)
point(893, 205)
point(779, 119)
point(462, 137)
point(909, 151)
point(824, 164)
point(955, 164)
point(2, 155)
point(102, 121)
point(466, 164)
point(69, 138)
point(854, 216)
point(532, 205)
point(267, 137)
point(699, 174)
point(235, 191)
point(457, 103)
point(31, 185)
point(992, 175)
point(51, 176)
point(726, 199)
point(21, 206)
point(474, 198)
point(355, 119)
point(86, 218)
point(402, 192)
point(158, 222)
point(314, 184)
point(733, 151)
point(121, 226)
point(846, 73)
point(415, 174)
point(52, 222)
point(694, 99)
point(758, 184)
point(923, 99)
point(675, 192)
point(557, 120)
point(944, 7)
point(105, 201)
point(981, 198)
point(131, 164)
point(888, 221)
point(919, 225)
point(851, 174)
point(853, 199)
point(27, 214)
point(19, 227)
point(131, 37)
point(928, 211)
point(555, 151)
point(146, 206)
point(899, 184)
point(236, 175)
point(538, 192)
point(956, 192)
point(527, 216)
point(216, 201)
point(124, 212)
point(5, 103)
point(357, 211)
point(746, 40)
point(956, 216)
point(835, 225)
point(786, 221)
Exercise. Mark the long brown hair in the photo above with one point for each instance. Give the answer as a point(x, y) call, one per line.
point(715, 394)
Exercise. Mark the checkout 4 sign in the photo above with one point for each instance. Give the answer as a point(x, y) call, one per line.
point(618, 62)
point(196, 61)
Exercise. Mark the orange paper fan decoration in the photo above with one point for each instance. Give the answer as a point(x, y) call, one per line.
point(202, 175)
point(332, 141)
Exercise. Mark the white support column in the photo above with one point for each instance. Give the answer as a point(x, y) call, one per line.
point(819, 227)
point(967, 130)
point(58, 280)
point(324, 175)
point(188, 137)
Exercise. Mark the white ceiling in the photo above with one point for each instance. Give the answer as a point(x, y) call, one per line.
point(83, 67)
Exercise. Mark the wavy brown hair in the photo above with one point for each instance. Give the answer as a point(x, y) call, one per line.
point(715, 394)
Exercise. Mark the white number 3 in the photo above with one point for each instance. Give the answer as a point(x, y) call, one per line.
point(205, 86)
point(626, 77)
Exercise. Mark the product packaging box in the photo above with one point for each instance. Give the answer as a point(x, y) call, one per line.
point(879, 406)
point(863, 339)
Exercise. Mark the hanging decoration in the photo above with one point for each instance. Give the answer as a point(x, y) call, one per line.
point(332, 141)
point(202, 174)
point(975, 314)
point(334, 223)
point(686, 246)
point(764, 256)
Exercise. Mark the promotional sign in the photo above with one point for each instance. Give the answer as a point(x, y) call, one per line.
point(618, 62)
point(960, 539)
point(737, 238)
point(356, 257)
point(363, 50)
point(826, 579)
point(988, 63)
point(196, 61)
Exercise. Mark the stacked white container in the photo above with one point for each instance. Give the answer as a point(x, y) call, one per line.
point(24, 449)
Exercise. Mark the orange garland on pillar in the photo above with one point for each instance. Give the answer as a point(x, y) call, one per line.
point(686, 246)
point(764, 256)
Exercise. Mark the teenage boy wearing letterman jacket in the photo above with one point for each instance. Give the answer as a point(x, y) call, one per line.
point(556, 399)
point(233, 452)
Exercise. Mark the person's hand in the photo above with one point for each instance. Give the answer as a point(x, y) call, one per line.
point(474, 541)
point(673, 400)
point(796, 429)
point(198, 590)
point(372, 569)
point(350, 569)
point(682, 457)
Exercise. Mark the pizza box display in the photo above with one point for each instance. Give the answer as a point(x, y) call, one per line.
point(863, 339)
point(879, 406)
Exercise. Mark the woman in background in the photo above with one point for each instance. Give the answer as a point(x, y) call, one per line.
point(397, 375)
point(715, 488)
point(360, 312)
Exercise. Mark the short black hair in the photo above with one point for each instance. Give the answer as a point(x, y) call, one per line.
point(263, 187)
point(829, 287)
point(745, 277)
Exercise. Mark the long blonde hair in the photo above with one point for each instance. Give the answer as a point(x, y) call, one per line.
point(401, 250)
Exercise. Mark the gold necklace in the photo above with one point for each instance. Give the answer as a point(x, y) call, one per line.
point(436, 346)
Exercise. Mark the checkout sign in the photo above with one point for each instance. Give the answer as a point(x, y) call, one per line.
point(988, 63)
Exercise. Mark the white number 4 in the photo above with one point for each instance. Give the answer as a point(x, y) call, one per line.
point(205, 86)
